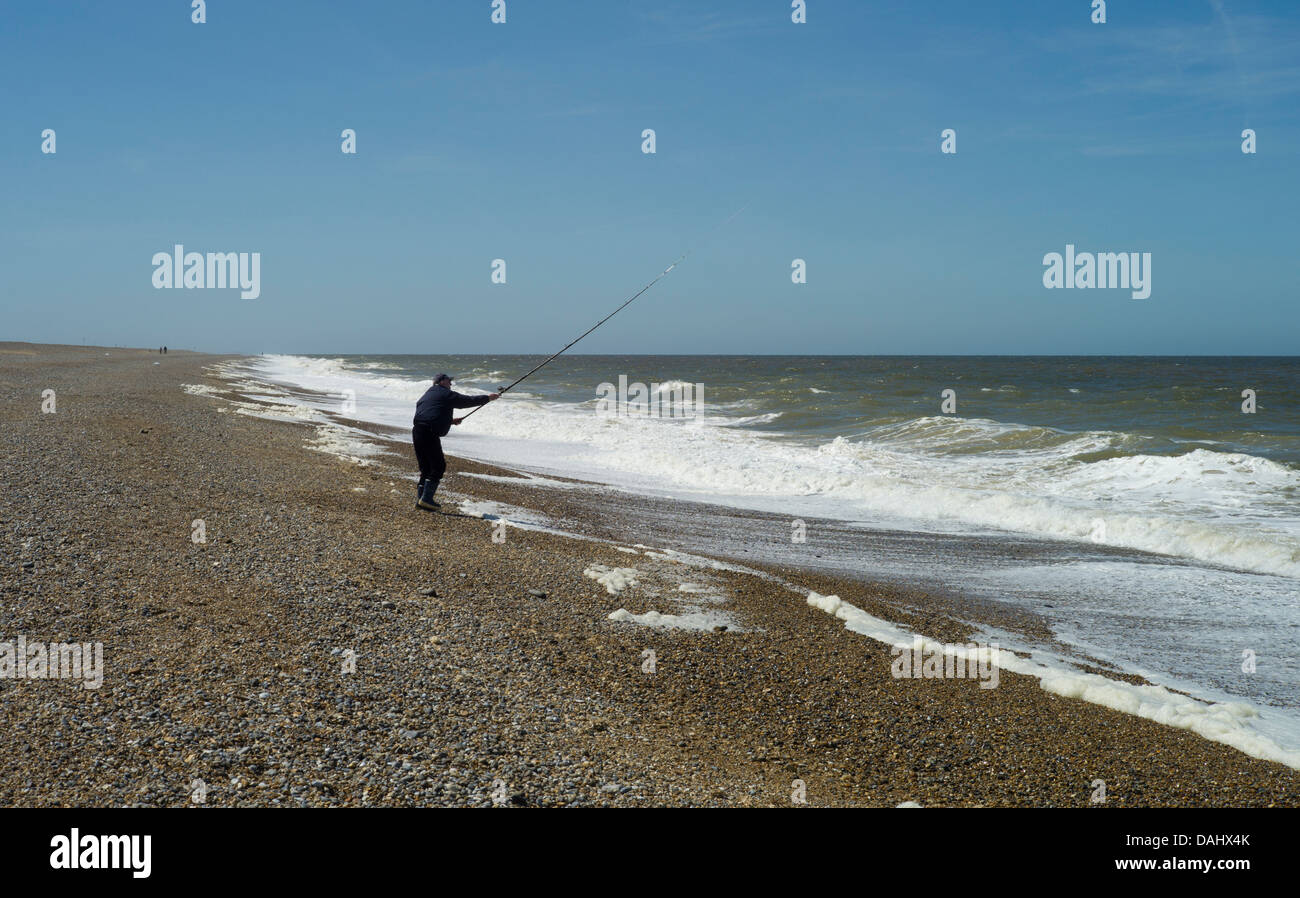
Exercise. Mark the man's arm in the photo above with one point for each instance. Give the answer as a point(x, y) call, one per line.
point(460, 400)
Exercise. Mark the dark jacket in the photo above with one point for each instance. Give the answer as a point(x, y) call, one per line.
point(435, 407)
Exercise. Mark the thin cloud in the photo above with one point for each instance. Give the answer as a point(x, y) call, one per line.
point(690, 24)
point(1255, 60)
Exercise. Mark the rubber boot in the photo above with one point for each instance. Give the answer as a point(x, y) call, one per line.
point(426, 498)
point(419, 491)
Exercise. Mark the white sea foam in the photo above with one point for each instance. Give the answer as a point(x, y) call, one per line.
point(345, 444)
point(670, 386)
point(698, 620)
point(295, 413)
point(614, 579)
point(477, 508)
point(510, 515)
point(767, 418)
point(699, 561)
point(937, 472)
point(201, 390)
point(1225, 722)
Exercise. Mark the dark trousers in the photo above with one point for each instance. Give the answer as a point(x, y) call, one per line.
point(428, 452)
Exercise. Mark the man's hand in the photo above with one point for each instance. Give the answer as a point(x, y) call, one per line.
point(456, 420)
point(492, 396)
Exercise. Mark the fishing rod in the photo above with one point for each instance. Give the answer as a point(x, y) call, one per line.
point(502, 390)
point(539, 367)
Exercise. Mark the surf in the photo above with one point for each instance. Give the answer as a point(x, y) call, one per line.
point(931, 472)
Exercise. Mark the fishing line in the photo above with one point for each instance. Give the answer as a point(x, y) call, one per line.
point(662, 274)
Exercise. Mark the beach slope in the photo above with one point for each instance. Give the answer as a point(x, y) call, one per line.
point(282, 627)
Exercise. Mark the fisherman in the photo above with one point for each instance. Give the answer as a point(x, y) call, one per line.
point(432, 421)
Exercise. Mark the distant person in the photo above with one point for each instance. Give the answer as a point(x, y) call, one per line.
point(164, 350)
point(432, 421)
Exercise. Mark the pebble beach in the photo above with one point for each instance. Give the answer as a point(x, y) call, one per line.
point(325, 643)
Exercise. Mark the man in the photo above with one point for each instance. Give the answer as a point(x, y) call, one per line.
point(432, 421)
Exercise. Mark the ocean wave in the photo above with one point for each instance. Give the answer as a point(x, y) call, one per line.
point(767, 418)
point(479, 375)
point(670, 386)
point(948, 472)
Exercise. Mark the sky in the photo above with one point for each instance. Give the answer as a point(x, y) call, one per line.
point(775, 141)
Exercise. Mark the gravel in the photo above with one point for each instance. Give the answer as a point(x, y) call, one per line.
point(326, 646)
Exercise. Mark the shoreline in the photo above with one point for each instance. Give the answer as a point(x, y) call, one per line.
point(760, 541)
point(305, 554)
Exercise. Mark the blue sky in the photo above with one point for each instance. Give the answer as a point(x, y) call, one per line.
point(522, 141)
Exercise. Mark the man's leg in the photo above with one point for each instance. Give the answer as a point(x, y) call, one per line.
point(439, 462)
point(421, 438)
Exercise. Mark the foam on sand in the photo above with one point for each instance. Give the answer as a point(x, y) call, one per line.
point(345, 444)
point(476, 508)
point(699, 620)
point(696, 561)
point(614, 579)
point(1224, 722)
point(694, 605)
point(295, 413)
point(508, 515)
point(201, 390)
